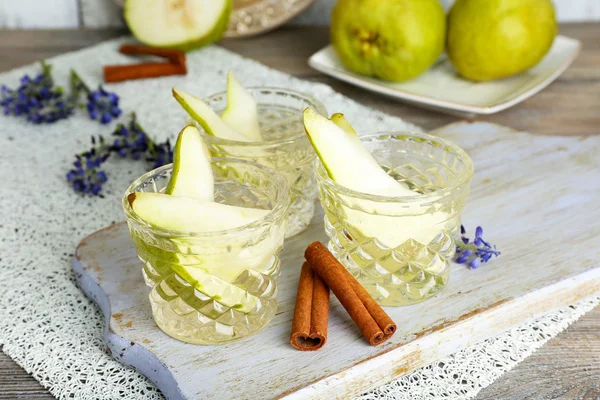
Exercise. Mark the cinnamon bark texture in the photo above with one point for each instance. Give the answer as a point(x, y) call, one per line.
point(175, 56)
point(311, 314)
point(175, 66)
point(120, 73)
point(375, 325)
point(383, 320)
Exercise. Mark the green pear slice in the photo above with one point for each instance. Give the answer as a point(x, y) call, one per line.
point(350, 164)
point(241, 113)
point(212, 272)
point(346, 160)
point(206, 117)
point(182, 24)
point(190, 215)
point(192, 174)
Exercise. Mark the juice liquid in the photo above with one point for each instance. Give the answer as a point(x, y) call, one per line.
point(399, 249)
point(210, 295)
point(408, 273)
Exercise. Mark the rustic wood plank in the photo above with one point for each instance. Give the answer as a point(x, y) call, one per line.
point(287, 49)
point(39, 14)
point(105, 13)
point(567, 367)
point(101, 14)
point(16, 383)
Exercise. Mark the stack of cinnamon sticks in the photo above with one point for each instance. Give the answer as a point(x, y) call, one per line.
point(175, 64)
point(321, 272)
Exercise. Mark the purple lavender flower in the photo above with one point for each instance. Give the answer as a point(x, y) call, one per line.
point(86, 177)
point(160, 154)
point(476, 252)
point(132, 141)
point(37, 99)
point(103, 105)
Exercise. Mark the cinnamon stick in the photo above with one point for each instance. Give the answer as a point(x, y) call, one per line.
point(119, 73)
point(311, 314)
point(362, 310)
point(383, 320)
point(175, 56)
point(175, 66)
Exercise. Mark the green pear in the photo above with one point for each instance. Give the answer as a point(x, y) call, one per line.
point(492, 39)
point(206, 117)
point(241, 113)
point(394, 40)
point(192, 174)
point(345, 158)
point(181, 24)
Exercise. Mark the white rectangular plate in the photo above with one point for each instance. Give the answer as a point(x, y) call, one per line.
point(442, 89)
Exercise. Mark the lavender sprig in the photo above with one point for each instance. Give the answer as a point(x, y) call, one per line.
point(37, 99)
point(160, 153)
point(132, 141)
point(86, 177)
point(103, 105)
point(476, 252)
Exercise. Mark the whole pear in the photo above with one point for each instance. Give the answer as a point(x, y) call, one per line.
point(491, 39)
point(394, 40)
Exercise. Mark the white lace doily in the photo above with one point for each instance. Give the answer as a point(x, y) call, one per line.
point(46, 323)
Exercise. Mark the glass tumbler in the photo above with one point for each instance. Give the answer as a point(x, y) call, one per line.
point(285, 148)
point(400, 248)
point(213, 287)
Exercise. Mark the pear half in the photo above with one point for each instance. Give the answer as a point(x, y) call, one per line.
point(345, 158)
point(181, 24)
point(206, 117)
point(241, 113)
point(192, 175)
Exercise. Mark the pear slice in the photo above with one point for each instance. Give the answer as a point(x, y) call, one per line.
point(206, 117)
point(190, 215)
point(241, 113)
point(345, 158)
point(349, 163)
point(182, 24)
point(192, 175)
point(209, 270)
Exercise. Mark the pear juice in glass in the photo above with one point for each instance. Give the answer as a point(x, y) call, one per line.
point(213, 287)
point(399, 248)
point(285, 148)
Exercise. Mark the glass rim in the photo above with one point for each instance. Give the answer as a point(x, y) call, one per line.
point(281, 204)
point(314, 103)
point(425, 198)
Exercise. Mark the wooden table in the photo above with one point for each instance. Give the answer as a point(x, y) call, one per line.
point(568, 367)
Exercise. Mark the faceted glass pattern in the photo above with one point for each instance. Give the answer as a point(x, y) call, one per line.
point(285, 149)
point(220, 286)
point(418, 267)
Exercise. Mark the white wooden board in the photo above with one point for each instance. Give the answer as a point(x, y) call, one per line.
point(538, 199)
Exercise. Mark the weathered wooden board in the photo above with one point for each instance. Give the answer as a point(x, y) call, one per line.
point(538, 199)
